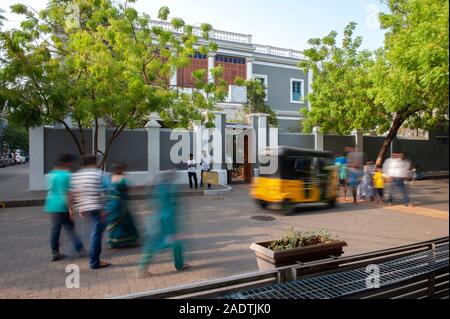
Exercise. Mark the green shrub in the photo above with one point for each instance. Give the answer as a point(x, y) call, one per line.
point(293, 239)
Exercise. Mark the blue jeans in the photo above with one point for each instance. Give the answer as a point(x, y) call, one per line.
point(95, 246)
point(60, 220)
point(400, 184)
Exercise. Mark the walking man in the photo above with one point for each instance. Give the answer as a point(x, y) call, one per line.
point(205, 165)
point(192, 171)
point(341, 164)
point(58, 208)
point(89, 196)
point(163, 229)
point(398, 168)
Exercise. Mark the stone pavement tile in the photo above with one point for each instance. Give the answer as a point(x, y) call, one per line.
point(219, 236)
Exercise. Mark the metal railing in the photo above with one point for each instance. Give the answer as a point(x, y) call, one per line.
point(411, 271)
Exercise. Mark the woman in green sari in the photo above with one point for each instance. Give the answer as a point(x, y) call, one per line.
point(122, 231)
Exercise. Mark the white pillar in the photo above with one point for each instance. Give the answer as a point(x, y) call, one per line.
point(318, 139)
point(101, 137)
point(211, 64)
point(36, 173)
point(250, 68)
point(218, 140)
point(262, 132)
point(153, 147)
point(359, 140)
point(197, 144)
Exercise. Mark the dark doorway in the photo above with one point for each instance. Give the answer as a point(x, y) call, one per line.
point(241, 173)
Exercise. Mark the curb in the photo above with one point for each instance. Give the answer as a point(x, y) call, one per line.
point(227, 190)
point(40, 202)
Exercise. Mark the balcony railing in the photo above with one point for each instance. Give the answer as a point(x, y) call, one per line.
point(214, 34)
point(288, 53)
point(236, 38)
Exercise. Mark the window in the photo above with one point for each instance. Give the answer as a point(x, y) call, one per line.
point(197, 55)
point(297, 91)
point(228, 59)
point(264, 81)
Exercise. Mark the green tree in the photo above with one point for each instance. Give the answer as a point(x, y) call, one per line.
point(256, 96)
point(411, 72)
point(403, 84)
point(94, 60)
point(16, 137)
point(340, 101)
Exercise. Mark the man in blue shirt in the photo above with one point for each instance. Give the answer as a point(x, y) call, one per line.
point(58, 208)
point(341, 165)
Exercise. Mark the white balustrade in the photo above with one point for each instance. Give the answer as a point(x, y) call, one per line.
point(215, 34)
point(237, 38)
point(288, 53)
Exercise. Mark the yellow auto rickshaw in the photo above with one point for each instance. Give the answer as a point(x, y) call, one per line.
point(291, 176)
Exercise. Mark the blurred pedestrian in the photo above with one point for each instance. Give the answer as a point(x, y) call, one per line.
point(341, 164)
point(57, 205)
point(366, 186)
point(354, 162)
point(122, 231)
point(163, 229)
point(205, 164)
point(378, 182)
point(88, 191)
point(398, 169)
point(192, 172)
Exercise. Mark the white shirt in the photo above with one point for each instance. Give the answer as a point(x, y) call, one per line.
point(192, 166)
point(397, 168)
point(206, 163)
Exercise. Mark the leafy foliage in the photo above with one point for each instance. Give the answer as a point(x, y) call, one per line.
point(340, 102)
point(100, 60)
point(16, 137)
point(256, 95)
point(404, 83)
point(293, 239)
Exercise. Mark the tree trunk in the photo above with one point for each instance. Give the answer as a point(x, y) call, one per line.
point(396, 124)
point(80, 147)
point(108, 146)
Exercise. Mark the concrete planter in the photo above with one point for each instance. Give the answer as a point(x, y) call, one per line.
point(268, 259)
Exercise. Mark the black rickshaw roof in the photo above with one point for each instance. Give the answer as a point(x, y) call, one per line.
point(294, 151)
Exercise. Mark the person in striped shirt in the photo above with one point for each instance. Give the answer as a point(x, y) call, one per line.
point(88, 196)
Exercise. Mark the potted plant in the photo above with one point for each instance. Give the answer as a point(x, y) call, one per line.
point(295, 247)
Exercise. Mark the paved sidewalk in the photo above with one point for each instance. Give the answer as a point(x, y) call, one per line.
point(14, 189)
point(221, 230)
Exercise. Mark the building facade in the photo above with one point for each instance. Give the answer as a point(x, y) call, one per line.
point(277, 68)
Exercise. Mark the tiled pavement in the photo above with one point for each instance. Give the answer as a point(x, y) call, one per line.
point(220, 232)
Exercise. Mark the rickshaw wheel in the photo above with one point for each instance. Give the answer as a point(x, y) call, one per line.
point(287, 206)
point(332, 202)
point(263, 204)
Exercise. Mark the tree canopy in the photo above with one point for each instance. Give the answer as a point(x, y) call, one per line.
point(256, 100)
point(101, 60)
point(405, 83)
point(16, 137)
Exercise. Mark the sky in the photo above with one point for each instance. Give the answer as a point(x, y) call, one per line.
point(279, 23)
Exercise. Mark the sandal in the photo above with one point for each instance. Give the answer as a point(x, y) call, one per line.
point(102, 264)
